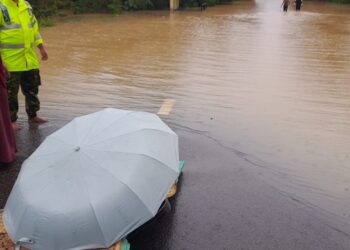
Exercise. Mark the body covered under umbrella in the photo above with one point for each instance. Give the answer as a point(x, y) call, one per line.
point(93, 181)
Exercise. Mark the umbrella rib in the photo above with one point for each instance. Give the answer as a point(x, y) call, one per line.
point(130, 153)
point(113, 121)
point(15, 227)
point(131, 132)
point(35, 156)
point(127, 230)
point(47, 167)
point(59, 139)
point(92, 208)
point(30, 201)
point(91, 126)
point(124, 184)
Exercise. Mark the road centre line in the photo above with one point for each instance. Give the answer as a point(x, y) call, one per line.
point(166, 107)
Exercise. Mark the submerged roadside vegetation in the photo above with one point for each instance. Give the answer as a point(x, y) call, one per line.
point(45, 9)
point(340, 1)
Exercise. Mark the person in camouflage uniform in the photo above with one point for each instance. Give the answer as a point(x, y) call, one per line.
point(29, 81)
point(19, 35)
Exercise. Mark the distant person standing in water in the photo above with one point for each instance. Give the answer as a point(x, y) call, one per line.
point(298, 4)
point(285, 5)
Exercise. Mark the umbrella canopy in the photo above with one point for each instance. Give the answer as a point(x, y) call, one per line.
point(93, 181)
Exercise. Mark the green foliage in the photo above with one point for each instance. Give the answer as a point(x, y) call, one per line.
point(83, 6)
point(160, 4)
point(189, 3)
point(44, 8)
point(213, 2)
point(137, 4)
point(114, 7)
point(46, 22)
point(197, 3)
point(340, 1)
point(64, 4)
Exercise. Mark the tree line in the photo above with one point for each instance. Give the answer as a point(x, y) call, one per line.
point(47, 8)
point(340, 1)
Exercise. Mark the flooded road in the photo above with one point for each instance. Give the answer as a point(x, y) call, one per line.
point(270, 90)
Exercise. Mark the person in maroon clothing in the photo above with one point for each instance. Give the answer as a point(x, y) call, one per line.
point(7, 137)
point(285, 4)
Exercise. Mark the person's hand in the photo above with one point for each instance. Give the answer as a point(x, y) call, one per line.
point(44, 55)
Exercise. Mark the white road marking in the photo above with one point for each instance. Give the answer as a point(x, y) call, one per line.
point(166, 107)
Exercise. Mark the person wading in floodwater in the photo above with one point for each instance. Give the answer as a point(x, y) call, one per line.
point(298, 4)
point(19, 36)
point(285, 5)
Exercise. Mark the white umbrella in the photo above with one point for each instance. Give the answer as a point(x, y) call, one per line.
point(93, 181)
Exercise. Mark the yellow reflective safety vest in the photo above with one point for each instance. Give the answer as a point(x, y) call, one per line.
point(19, 35)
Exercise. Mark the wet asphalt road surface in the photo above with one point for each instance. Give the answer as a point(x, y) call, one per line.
point(221, 203)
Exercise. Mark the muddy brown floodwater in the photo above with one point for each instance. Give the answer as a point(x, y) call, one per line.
point(272, 89)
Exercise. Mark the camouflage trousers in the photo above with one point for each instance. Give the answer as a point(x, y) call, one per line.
point(29, 81)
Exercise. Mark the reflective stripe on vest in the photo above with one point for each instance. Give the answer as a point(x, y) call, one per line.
point(37, 37)
point(5, 13)
point(29, 9)
point(14, 26)
point(13, 46)
point(10, 26)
